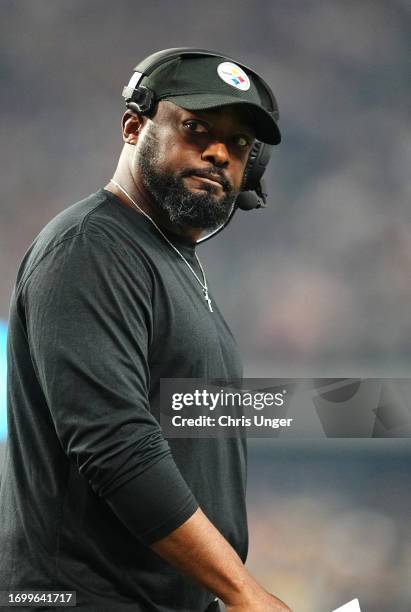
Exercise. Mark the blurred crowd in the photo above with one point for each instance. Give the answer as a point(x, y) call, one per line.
point(332, 524)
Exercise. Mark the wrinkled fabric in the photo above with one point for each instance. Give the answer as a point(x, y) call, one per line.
point(101, 311)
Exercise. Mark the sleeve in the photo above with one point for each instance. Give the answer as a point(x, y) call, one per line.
point(88, 314)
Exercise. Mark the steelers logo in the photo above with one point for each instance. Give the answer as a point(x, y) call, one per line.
point(233, 75)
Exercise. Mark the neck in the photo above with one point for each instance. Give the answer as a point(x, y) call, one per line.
point(135, 191)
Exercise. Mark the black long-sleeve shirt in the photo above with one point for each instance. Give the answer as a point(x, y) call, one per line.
point(102, 309)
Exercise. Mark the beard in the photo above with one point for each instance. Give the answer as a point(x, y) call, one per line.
point(183, 207)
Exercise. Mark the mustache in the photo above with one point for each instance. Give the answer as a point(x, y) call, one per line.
point(208, 173)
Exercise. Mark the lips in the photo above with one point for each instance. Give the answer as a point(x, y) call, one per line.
point(212, 178)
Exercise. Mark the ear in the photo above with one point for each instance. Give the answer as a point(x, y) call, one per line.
point(132, 124)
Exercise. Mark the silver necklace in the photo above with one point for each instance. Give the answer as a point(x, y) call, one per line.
point(203, 282)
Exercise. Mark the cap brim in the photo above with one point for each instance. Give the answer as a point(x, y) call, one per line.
point(266, 129)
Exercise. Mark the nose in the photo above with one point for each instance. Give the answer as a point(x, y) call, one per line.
point(217, 154)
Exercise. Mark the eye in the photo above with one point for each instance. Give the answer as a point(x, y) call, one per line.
point(196, 126)
point(242, 141)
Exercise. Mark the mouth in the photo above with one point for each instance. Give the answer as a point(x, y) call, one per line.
point(211, 180)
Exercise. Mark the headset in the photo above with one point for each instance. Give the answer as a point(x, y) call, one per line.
point(142, 100)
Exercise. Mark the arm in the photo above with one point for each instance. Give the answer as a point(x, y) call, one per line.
point(88, 315)
point(198, 549)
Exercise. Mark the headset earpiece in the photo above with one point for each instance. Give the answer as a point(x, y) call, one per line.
point(253, 193)
point(258, 159)
point(142, 102)
point(133, 107)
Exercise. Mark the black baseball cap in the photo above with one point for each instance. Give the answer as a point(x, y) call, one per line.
point(207, 82)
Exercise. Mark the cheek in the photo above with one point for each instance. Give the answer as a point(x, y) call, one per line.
point(176, 153)
point(166, 155)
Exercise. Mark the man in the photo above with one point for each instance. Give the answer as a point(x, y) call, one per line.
point(109, 299)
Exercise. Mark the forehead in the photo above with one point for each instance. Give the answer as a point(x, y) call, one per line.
point(234, 115)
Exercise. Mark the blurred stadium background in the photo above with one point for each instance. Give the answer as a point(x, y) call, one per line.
point(316, 285)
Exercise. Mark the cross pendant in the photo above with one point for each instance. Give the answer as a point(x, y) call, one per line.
point(208, 300)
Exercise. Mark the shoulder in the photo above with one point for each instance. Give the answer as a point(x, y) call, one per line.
point(89, 237)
